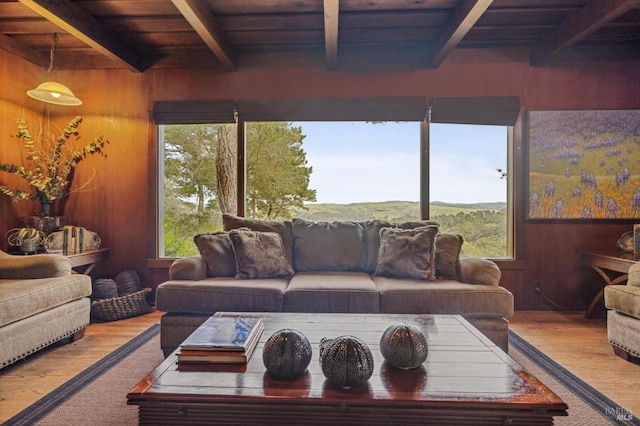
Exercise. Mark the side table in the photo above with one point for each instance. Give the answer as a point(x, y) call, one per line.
point(601, 262)
point(86, 261)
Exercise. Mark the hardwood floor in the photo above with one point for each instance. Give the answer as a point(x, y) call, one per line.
point(579, 344)
point(26, 381)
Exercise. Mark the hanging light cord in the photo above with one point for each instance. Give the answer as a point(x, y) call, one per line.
point(52, 54)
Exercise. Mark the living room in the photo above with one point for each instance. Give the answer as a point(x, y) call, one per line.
point(119, 103)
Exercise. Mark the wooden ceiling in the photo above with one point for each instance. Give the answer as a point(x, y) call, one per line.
point(336, 34)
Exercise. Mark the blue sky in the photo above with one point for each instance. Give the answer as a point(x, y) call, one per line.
point(363, 162)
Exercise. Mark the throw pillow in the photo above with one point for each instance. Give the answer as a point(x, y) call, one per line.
point(372, 236)
point(217, 252)
point(407, 253)
point(282, 228)
point(448, 247)
point(259, 254)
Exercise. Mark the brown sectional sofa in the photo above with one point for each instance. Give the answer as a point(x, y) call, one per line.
point(335, 268)
point(41, 302)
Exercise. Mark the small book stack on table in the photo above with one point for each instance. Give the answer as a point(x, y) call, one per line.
point(221, 340)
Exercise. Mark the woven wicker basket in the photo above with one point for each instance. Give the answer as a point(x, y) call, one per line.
point(116, 308)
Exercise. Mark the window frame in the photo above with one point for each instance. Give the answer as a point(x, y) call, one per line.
point(463, 110)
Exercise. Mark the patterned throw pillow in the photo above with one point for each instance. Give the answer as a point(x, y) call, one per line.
point(259, 254)
point(407, 253)
point(448, 248)
point(282, 228)
point(217, 251)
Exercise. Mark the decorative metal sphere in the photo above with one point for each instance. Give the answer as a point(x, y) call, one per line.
point(286, 354)
point(403, 346)
point(346, 361)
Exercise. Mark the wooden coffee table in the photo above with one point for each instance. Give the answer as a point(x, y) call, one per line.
point(466, 379)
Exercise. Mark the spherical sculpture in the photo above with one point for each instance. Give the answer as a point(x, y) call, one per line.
point(286, 354)
point(403, 346)
point(346, 361)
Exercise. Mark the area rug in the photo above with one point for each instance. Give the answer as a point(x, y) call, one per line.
point(97, 396)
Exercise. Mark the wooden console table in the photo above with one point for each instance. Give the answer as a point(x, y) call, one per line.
point(603, 261)
point(86, 261)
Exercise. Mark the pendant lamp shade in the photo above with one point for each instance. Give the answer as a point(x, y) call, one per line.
point(54, 93)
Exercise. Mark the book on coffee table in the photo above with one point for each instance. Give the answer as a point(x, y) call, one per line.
point(228, 340)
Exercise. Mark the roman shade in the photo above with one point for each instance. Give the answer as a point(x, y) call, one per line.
point(406, 108)
point(194, 112)
point(496, 110)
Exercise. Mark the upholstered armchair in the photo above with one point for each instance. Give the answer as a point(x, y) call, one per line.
point(41, 302)
point(623, 317)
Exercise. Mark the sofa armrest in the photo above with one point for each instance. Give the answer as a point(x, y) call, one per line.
point(633, 278)
point(33, 267)
point(476, 270)
point(188, 268)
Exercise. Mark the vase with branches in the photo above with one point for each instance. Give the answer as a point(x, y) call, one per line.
point(49, 162)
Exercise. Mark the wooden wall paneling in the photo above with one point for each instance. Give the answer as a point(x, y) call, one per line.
point(117, 103)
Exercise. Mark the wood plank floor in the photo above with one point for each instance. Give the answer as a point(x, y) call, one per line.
point(580, 345)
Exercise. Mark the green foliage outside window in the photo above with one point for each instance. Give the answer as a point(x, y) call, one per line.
point(200, 178)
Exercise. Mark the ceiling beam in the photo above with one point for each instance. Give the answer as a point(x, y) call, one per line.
point(201, 18)
point(25, 52)
point(331, 13)
point(593, 16)
point(465, 18)
point(86, 28)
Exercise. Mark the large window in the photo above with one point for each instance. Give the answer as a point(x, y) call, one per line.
point(469, 185)
point(332, 170)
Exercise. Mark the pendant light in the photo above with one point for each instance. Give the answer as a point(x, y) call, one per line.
point(51, 91)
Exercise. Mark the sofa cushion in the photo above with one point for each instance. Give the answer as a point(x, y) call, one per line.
point(20, 298)
point(283, 228)
point(259, 255)
point(448, 248)
point(346, 292)
point(443, 297)
point(328, 246)
point(217, 251)
point(211, 295)
point(407, 253)
point(372, 240)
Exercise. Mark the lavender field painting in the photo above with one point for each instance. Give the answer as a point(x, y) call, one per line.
point(584, 164)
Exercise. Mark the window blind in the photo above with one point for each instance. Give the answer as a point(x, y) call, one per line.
point(409, 108)
point(499, 110)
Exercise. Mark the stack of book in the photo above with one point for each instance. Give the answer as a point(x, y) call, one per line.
point(73, 239)
point(221, 340)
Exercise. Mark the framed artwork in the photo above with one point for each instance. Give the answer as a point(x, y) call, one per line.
point(584, 164)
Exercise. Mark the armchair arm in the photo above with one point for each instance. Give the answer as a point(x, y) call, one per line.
point(188, 268)
point(476, 270)
point(33, 267)
point(633, 278)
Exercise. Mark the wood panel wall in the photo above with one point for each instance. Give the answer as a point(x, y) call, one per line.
point(117, 104)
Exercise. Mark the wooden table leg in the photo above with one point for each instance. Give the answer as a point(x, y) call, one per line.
point(598, 297)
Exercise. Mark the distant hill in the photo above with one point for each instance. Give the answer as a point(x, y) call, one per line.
point(395, 211)
point(496, 206)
